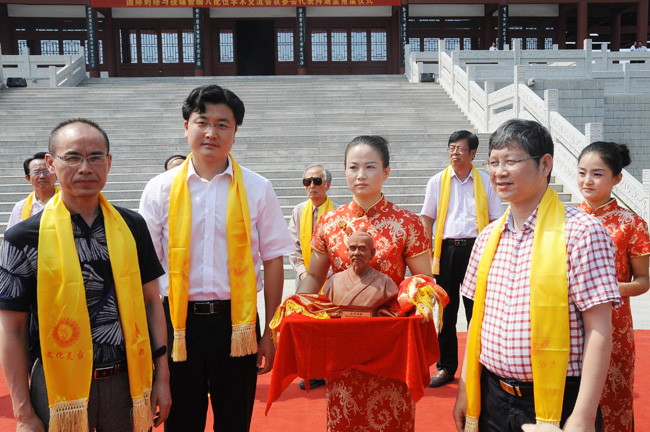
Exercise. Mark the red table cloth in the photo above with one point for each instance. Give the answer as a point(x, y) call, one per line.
point(399, 348)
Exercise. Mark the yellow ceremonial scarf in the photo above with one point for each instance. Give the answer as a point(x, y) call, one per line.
point(482, 214)
point(549, 314)
point(66, 340)
point(307, 226)
point(243, 282)
point(27, 210)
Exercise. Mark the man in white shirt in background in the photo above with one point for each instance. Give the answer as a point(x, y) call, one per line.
point(460, 230)
point(39, 176)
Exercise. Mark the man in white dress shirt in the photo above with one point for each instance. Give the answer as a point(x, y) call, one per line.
point(39, 176)
point(460, 231)
point(212, 117)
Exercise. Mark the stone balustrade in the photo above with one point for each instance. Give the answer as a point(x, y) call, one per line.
point(44, 70)
point(489, 102)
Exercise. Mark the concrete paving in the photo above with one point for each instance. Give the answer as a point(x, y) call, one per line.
point(640, 308)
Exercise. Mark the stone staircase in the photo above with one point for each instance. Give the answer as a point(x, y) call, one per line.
point(290, 122)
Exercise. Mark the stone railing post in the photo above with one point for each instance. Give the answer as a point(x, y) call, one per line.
point(587, 52)
point(27, 65)
point(520, 78)
point(593, 132)
point(471, 73)
point(516, 51)
point(455, 54)
point(626, 77)
point(489, 88)
point(550, 105)
point(52, 72)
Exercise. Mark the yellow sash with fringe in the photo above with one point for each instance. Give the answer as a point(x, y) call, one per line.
point(549, 315)
point(243, 283)
point(307, 226)
point(27, 210)
point(482, 213)
point(66, 340)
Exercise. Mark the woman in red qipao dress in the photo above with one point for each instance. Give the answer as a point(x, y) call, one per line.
point(356, 400)
point(600, 167)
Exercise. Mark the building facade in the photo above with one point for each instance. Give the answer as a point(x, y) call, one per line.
point(130, 38)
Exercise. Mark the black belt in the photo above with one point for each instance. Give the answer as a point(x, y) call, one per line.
point(460, 242)
point(109, 371)
point(511, 385)
point(208, 307)
point(522, 388)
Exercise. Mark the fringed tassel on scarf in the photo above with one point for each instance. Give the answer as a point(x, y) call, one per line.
point(243, 341)
point(179, 350)
point(142, 415)
point(69, 416)
point(551, 422)
point(471, 424)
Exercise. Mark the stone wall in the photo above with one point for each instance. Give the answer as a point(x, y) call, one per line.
point(627, 120)
point(579, 101)
point(625, 117)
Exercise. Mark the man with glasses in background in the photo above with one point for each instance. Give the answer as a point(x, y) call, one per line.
point(459, 202)
point(305, 216)
point(37, 175)
point(87, 271)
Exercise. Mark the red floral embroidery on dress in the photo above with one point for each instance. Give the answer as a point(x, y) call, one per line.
point(398, 234)
point(630, 235)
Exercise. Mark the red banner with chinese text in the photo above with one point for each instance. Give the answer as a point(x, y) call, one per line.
point(238, 3)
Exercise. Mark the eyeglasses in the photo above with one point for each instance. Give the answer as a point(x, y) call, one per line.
point(39, 173)
point(316, 180)
point(204, 125)
point(458, 149)
point(507, 164)
point(75, 160)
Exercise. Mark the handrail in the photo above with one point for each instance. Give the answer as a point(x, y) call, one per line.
point(488, 108)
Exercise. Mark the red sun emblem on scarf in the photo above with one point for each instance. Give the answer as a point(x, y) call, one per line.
point(66, 332)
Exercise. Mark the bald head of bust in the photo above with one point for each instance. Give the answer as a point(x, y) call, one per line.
point(361, 250)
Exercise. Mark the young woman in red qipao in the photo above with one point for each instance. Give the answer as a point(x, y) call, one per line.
point(600, 168)
point(357, 400)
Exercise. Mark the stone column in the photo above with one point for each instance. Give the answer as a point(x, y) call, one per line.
point(198, 42)
point(403, 36)
point(301, 28)
point(93, 45)
point(582, 32)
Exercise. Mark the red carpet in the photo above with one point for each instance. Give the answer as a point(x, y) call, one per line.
point(301, 411)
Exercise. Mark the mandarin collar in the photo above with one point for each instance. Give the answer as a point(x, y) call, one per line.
point(605, 208)
point(372, 211)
